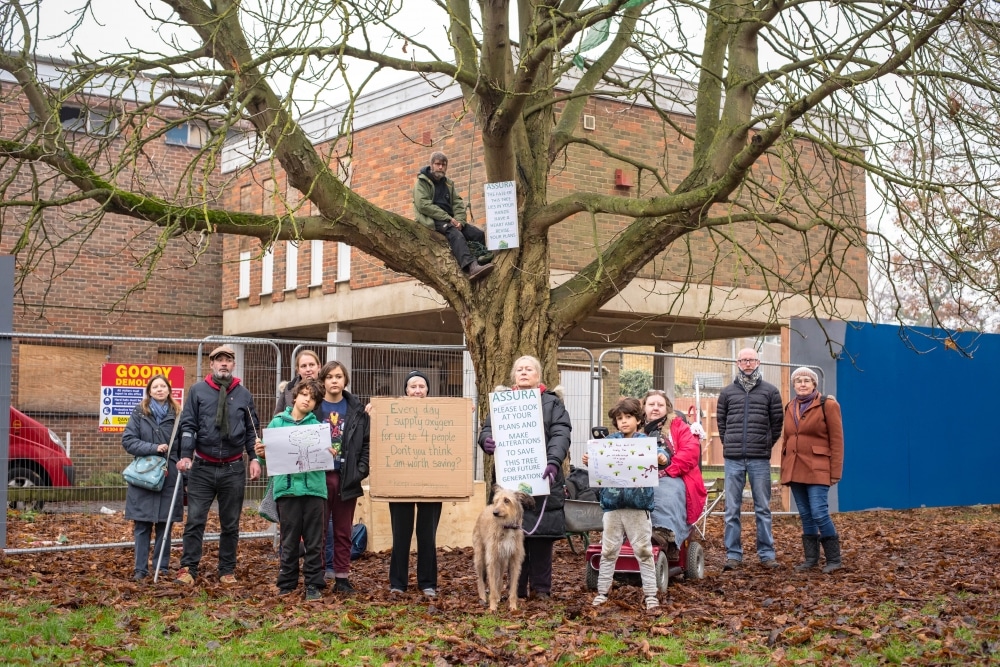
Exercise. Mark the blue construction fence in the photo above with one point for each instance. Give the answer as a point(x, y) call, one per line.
point(918, 405)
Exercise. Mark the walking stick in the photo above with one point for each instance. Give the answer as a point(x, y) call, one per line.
point(165, 542)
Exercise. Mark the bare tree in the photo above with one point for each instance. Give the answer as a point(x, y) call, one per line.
point(789, 106)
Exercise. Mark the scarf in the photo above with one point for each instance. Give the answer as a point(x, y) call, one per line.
point(748, 382)
point(655, 429)
point(222, 411)
point(159, 410)
point(803, 403)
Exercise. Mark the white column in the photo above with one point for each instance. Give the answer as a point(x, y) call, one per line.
point(341, 334)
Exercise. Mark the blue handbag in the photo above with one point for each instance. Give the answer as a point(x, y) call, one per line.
point(147, 472)
point(150, 472)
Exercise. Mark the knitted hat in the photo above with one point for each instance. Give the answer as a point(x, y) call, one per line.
point(803, 370)
point(415, 374)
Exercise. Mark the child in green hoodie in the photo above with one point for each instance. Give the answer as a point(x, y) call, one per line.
point(301, 500)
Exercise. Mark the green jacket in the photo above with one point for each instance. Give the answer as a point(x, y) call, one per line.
point(311, 483)
point(425, 212)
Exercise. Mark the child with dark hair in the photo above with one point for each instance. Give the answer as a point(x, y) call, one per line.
point(301, 500)
point(626, 514)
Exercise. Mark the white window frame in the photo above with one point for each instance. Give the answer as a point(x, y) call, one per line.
point(84, 121)
point(267, 272)
point(316, 264)
point(343, 262)
point(195, 136)
point(244, 292)
point(291, 265)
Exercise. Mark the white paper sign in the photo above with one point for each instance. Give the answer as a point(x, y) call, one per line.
point(501, 215)
point(521, 455)
point(292, 449)
point(622, 462)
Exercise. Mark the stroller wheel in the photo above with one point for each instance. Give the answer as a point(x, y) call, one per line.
point(662, 572)
point(695, 565)
point(591, 577)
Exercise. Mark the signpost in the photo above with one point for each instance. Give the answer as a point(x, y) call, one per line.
point(123, 387)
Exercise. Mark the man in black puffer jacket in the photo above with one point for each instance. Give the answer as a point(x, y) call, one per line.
point(750, 417)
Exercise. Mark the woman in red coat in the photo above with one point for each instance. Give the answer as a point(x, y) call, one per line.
point(680, 497)
point(812, 460)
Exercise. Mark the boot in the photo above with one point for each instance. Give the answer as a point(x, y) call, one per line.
point(810, 545)
point(831, 549)
point(477, 270)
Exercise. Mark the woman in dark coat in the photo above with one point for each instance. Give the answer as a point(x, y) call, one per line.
point(812, 460)
point(147, 433)
point(547, 522)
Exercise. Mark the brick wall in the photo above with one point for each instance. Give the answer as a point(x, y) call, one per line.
point(386, 159)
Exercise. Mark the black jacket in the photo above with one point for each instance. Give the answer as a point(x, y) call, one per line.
point(354, 448)
point(557, 441)
point(749, 422)
point(141, 437)
point(198, 430)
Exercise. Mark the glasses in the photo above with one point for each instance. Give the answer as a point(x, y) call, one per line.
point(748, 361)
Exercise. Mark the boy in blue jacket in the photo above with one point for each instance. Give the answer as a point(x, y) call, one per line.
point(301, 500)
point(626, 514)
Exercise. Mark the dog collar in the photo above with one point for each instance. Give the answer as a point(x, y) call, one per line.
point(513, 527)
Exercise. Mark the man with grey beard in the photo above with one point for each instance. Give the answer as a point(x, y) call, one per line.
point(218, 426)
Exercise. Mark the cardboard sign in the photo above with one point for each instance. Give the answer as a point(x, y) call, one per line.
point(622, 462)
point(123, 387)
point(292, 449)
point(421, 449)
point(501, 215)
point(518, 429)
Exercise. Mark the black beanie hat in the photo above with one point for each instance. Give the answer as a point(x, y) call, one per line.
point(415, 374)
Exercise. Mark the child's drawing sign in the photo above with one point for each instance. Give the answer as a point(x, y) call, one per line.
point(292, 449)
point(622, 462)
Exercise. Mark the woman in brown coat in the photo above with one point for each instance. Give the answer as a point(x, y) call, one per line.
point(812, 460)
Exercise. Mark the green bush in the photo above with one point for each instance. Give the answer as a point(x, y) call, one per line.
point(636, 382)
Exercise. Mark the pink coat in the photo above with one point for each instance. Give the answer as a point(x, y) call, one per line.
point(685, 464)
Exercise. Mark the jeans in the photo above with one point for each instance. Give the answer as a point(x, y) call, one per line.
point(205, 484)
point(759, 472)
point(141, 531)
point(401, 515)
point(459, 239)
point(811, 500)
point(301, 520)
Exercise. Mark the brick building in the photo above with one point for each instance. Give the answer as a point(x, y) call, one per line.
point(328, 291)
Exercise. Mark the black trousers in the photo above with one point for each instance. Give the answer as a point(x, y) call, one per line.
point(301, 519)
point(459, 239)
point(537, 568)
point(401, 516)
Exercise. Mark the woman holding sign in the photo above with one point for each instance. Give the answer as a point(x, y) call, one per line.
point(401, 516)
point(546, 523)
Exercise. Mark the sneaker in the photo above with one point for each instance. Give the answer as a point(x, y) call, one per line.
point(313, 594)
point(228, 578)
point(541, 596)
point(343, 585)
point(731, 564)
point(652, 603)
point(430, 592)
point(330, 575)
point(770, 564)
point(478, 271)
point(184, 576)
point(599, 600)
point(282, 592)
point(397, 591)
point(139, 576)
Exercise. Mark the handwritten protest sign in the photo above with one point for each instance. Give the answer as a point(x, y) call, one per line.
point(622, 462)
point(421, 449)
point(292, 449)
point(501, 215)
point(520, 457)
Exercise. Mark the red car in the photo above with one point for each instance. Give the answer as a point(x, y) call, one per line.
point(37, 455)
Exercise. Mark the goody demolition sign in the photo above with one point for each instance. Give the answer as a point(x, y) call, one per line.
point(518, 430)
point(123, 387)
